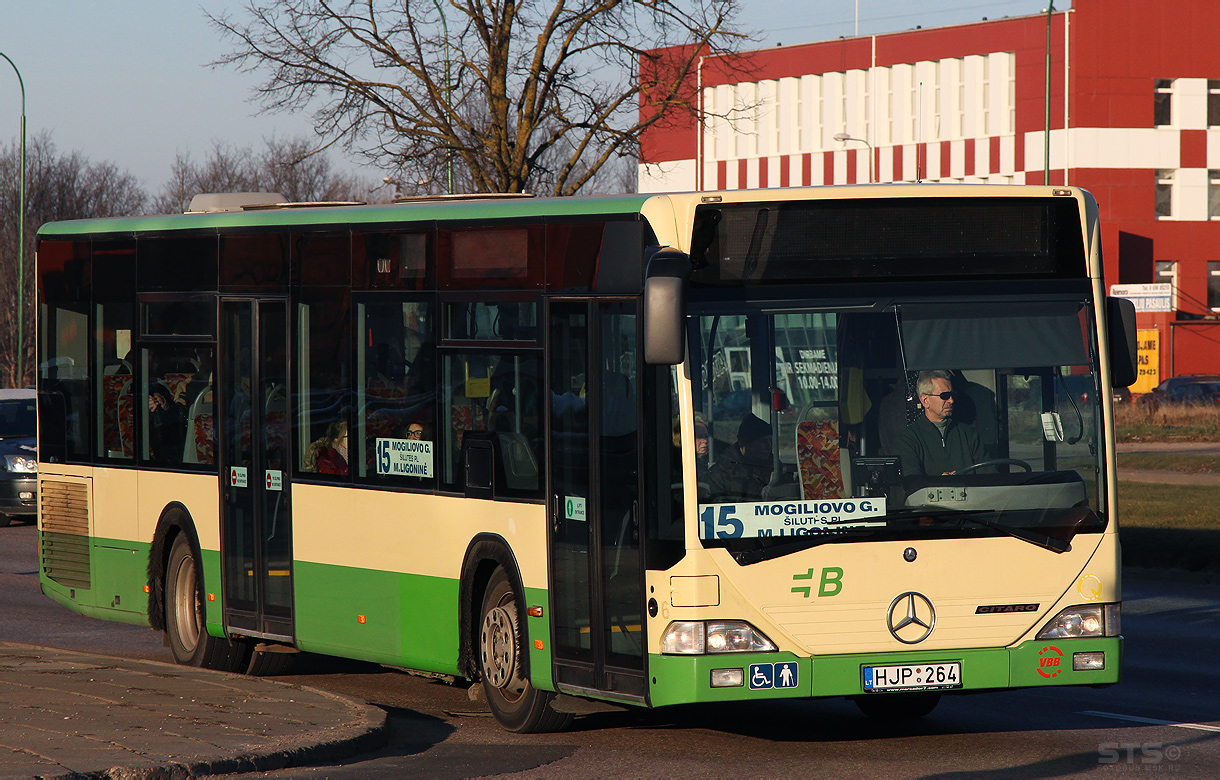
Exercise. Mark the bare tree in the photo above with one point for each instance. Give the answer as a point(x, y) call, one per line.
point(58, 186)
point(291, 167)
point(509, 95)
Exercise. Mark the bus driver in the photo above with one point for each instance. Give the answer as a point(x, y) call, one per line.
point(936, 443)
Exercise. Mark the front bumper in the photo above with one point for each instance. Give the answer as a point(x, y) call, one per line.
point(687, 679)
point(18, 494)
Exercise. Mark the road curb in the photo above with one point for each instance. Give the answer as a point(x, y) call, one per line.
point(370, 732)
point(261, 712)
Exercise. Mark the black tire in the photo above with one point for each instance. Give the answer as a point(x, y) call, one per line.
point(185, 626)
point(897, 707)
point(517, 704)
point(5, 520)
point(265, 664)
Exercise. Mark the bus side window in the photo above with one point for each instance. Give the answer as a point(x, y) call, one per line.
point(500, 394)
point(322, 374)
point(396, 393)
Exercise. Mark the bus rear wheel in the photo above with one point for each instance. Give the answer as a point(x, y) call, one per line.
point(185, 625)
point(517, 704)
point(897, 707)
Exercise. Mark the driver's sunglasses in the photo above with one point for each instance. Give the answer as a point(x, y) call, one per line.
point(945, 396)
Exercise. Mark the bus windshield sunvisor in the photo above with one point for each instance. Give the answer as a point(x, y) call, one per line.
point(977, 335)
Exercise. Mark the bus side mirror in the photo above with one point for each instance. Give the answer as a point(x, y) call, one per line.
point(665, 307)
point(1120, 332)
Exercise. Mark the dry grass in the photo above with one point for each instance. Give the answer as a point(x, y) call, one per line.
point(1168, 422)
point(1170, 461)
point(1170, 526)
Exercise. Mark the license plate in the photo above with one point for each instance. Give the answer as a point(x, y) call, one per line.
point(913, 677)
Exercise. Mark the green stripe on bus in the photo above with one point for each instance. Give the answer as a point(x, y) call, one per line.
point(380, 616)
point(682, 679)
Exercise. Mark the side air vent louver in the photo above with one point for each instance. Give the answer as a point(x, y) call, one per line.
point(64, 535)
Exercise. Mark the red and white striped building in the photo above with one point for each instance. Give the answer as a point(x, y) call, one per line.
point(1134, 118)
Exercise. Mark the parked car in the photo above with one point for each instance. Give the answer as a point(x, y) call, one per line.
point(18, 455)
point(1188, 388)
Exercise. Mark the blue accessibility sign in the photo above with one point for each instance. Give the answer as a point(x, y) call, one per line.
point(762, 676)
point(781, 675)
point(786, 674)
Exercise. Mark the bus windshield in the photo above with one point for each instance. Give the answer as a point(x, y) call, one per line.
point(904, 419)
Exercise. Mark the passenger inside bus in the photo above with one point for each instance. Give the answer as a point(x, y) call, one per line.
point(744, 469)
point(333, 459)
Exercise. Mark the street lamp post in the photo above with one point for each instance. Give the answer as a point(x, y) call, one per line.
point(20, 236)
point(1046, 132)
point(448, 94)
point(845, 137)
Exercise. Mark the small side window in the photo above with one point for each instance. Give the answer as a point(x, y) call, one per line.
point(396, 393)
point(494, 397)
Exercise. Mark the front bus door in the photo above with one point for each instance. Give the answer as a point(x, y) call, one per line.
point(256, 542)
point(597, 586)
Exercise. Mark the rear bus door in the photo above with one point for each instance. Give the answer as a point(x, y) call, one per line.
point(256, 540)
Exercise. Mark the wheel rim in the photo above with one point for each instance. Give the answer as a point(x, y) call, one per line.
point(499, 646)
point(186, 605)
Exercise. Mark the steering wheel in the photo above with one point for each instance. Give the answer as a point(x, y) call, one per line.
point(996, 462)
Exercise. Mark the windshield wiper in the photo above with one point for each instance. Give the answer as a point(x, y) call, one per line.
point(747, 557)
point(1024, 534)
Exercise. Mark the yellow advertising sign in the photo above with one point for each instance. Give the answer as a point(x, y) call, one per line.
point(1149, 359)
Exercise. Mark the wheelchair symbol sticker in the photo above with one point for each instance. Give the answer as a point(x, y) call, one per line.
point(762, 676)
point(781, 675)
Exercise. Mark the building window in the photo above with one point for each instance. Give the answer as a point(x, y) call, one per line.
point(1213, 286)
point(1164, 194)
point(938, 109)
point(1012, 92)
point(1213, 194)
point(913, 108)
point(887, 88)
point(1162, 107)
point(986, 96)
point(1166, 272)
point(960, 129)
point(1213, 103)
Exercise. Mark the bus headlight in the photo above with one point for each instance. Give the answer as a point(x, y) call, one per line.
point(696, 637)
point(20, 463)
point(1077, 622)
point(684, 637)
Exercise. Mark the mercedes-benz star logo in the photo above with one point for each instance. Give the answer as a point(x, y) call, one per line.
point(911, 609)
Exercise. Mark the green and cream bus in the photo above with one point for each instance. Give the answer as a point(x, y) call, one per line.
point(638, 449)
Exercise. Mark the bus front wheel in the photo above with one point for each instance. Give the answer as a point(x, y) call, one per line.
point(185, 624)
point(517, 704)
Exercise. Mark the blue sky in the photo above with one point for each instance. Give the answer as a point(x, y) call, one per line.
point(128, 81)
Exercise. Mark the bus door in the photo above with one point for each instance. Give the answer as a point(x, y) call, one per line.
point(597, 588)
point(256, 540)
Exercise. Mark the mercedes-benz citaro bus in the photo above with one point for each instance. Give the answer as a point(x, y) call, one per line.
point(651, 449)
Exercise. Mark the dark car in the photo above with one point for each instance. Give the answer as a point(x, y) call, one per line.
point(18, 455)
point(1186, 389)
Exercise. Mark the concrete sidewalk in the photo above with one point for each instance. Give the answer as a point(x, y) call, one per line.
point(65, 714)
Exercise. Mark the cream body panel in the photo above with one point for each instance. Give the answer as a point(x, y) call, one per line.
point(116, 513)
point(957, 575)
point(199, 493)
point(411, 532)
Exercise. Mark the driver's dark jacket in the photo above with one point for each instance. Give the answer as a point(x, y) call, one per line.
point(734, 478)
point(923, 451)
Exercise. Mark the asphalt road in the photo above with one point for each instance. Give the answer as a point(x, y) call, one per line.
point(1163, 718)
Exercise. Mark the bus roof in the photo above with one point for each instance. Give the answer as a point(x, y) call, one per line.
point(442, 209)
